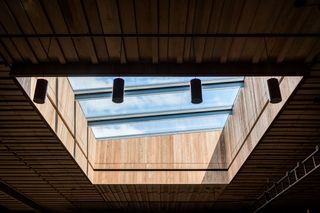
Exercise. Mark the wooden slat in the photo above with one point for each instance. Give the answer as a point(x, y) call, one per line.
point(41, 25)
point(75, 19)
point(127, 19)
point(56, 20)
point(93, 17)
point(109, 16)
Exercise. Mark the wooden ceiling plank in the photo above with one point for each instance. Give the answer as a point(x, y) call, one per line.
point(265, 22)
point(247, 16)
point(5, 55)
point(299, 17)
point(75, 19)
point(146, 23)
point(95, 26)
point(224, 25)
point(10, 49)
point(110, 24)
point(213, 28)
point(188, 52)
point(20, 197)
point(155, 29)
point(127, 19)
point(201, 25)
point(56, 20)
point(285, 23)
point(177, 22)
point(40, 24)
point(10, 26)
point(163, 28)
point(26, 26)
point(230, 26)
point(301, 47)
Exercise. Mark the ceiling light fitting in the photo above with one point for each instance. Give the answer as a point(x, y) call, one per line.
point(274, 91)
point(40, 92)
point(118, 90)
point(196, 91)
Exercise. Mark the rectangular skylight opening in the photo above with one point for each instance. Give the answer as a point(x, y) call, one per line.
point(155, 105)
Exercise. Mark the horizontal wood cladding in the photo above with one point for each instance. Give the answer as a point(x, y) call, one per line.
point(291, 138)
point(180, 151)
point(33, 160)
point(40, 167)
point(157, 17)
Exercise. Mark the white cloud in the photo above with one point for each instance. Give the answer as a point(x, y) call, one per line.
point(115, 130)
point(89, 82)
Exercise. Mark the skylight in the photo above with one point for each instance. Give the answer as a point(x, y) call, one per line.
point(154, 105)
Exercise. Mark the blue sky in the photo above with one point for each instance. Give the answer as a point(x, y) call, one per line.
point(150, 103)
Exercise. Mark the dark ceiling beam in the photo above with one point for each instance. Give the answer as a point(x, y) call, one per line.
point(20, 197)
point(161, 69)
point(164, 35)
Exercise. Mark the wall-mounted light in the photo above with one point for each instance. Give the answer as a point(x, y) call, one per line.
point(196, 91)
point(40, 92)
point(118, 90)
point(274, 91)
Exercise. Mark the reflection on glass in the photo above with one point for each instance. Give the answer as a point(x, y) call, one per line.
point(166, 99)
point(85, 83)
point(155, 127)
point(151, 103)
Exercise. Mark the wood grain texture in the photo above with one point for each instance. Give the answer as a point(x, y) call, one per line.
point(180, 151)
point(42, 169)
point(99, 16)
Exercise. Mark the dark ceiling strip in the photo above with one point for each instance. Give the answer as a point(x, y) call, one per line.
point(20, 197)
point(161, 69)
point(162, 35)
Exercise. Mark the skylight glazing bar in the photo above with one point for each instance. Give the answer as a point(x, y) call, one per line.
point(157, 113)
point(158, 117)
point(82, 85)
point(157, 134)
point(99, 93)
point(155, 106)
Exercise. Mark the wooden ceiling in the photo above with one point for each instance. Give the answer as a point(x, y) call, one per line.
point(38, 169)
point(260, 21)
point(35, 164)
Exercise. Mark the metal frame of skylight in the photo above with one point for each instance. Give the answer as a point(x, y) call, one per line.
point(153, 89)
point(143, 117)
point(158, 113)
point(160, 85)
point(92, 94)
point(158, 134)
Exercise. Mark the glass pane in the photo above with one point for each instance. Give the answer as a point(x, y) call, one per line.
point(89, 83)
point(162, 126)
point(155, 105)
point(160, 102)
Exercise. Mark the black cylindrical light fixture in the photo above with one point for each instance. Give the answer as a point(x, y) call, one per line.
point(118, 90)
point(274, 91)
point(196, 91)
point(40, 92)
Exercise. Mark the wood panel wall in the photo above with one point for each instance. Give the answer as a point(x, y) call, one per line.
point(64, 115)
point(150, 158)
point(252, 115)
point(179, 151)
